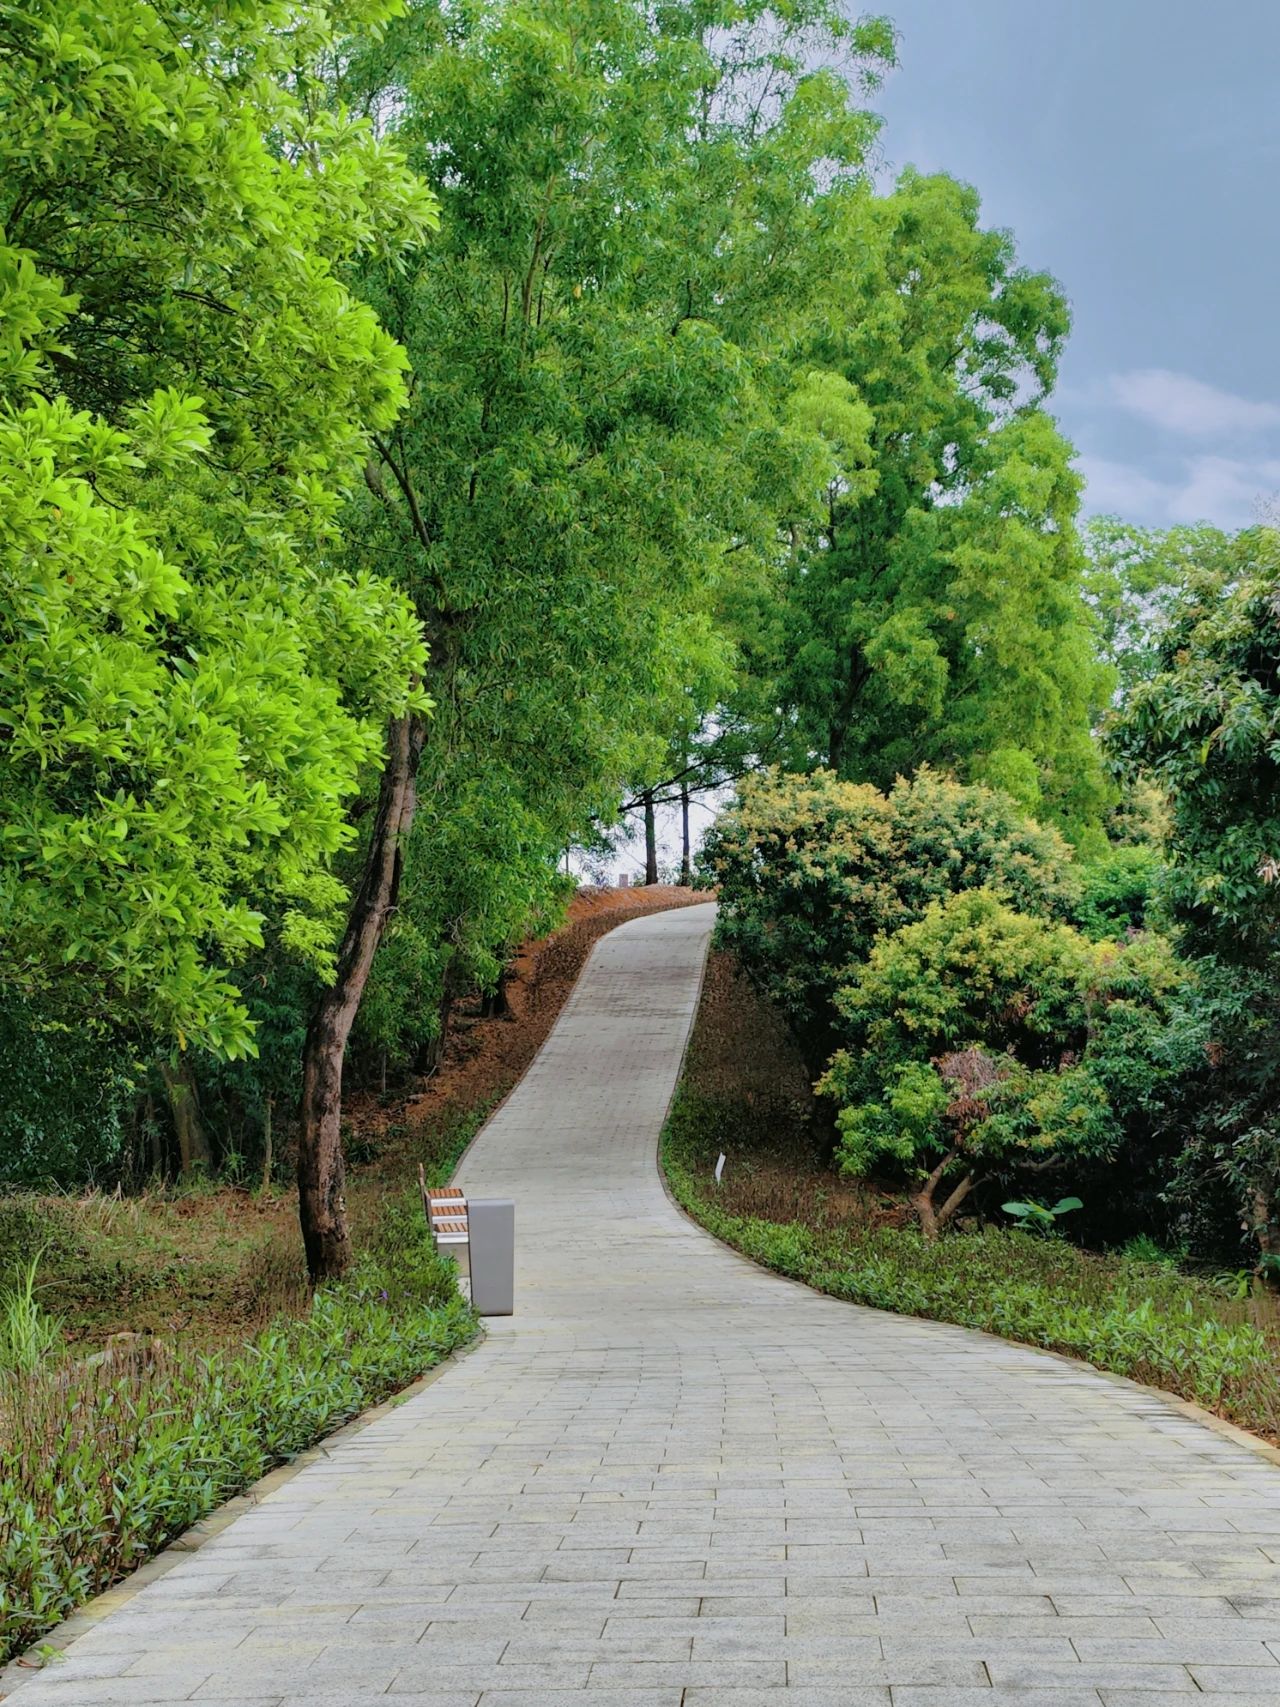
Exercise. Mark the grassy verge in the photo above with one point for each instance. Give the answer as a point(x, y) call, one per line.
point(107, 1458)
point(161, 1351)
point(1146, 1320)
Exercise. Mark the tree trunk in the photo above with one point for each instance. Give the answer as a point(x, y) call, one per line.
point(431, 1054)
point(267, 1156)
point(194, 1151)
point(495, 1003)
point(322, 1207)
point(947, 1212)
point(1266, 1232)
point(934, 1216)
point(650, 839)
point(686, 870)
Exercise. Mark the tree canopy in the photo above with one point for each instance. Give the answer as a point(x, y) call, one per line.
point(190, 684)
point(1202, 721)
point(601, 441)
point(934, 613)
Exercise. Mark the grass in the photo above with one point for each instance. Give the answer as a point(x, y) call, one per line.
point(109, 1457)
point(159, 1353)
point(213, 1262)
point(1136, 1314)
point(27, 1336)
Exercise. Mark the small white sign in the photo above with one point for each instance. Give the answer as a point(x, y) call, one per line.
point(719, 1167)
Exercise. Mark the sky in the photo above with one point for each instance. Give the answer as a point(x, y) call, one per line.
point(1133, 149)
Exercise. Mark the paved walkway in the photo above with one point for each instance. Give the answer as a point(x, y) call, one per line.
point(676, 1481)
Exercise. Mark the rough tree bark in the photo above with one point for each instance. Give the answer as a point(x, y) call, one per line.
point(194, 1151)
point(650, 839)
point(934, 1216)
point(686, 870)
point(322, 1206)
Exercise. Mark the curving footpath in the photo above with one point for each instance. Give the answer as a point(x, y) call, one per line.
point(673, 1480)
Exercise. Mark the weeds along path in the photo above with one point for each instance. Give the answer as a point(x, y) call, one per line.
point(674, 1480)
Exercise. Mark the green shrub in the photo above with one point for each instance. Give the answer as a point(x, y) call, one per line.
point(1117, 889)
point(107, 1459)
point(983, 1042)
point(65, 1098)
point(812, 869)
point(1143, 1249)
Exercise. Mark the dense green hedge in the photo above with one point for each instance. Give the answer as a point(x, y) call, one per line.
point(1145, 1320)
point(105, 1461)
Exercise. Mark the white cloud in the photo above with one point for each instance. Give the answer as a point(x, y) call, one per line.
point(1225, 490)
point(1117, 488)
point(1229, 492)
point(1182, 404)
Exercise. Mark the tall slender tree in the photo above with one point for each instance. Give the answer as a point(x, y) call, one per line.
point(597, 431)
point(936, 613)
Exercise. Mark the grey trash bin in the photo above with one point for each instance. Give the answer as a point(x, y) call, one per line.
point(492, 1254)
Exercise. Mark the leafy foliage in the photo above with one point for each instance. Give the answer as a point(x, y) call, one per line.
point(1203, 724)
point(66, 1095)
point(601, 436)
point(188, 688)
point(1202, 721)
point(982, 1040)
point(1042, 1217)
point(1118, 889)
point(811, 870)
point(477, 880)
point(936, 613)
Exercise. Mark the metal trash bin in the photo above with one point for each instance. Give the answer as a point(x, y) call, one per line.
point(492, 1254)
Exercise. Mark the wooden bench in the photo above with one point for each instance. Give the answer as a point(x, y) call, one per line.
point(488, 1267)
point(446, 1210)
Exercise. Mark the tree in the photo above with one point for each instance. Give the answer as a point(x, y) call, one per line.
point(1202, 720)
point(983, 1042)
point(693, 751)
point(596, 435)
point(191, 683)
point(936, 614)
point(1133, 576)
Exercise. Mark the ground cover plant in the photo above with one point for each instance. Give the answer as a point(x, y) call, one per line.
point(107, 1457)
point(1201, 1336)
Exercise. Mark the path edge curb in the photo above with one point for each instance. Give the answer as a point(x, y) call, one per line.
point(87, 1617)
point(1188, 1408)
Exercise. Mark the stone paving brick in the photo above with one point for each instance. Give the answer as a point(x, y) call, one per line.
point(673, 1480)
point(1237, 1680)
point(943, 1696)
